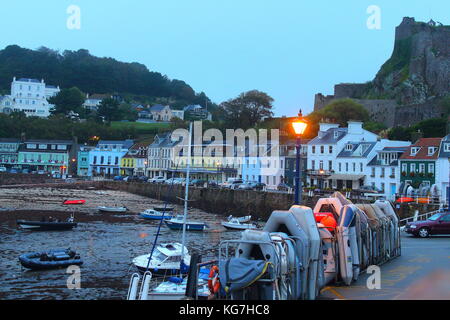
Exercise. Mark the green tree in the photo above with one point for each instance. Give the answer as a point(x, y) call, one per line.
point(248, 109)
point(109, 110)
point(68, 100)
point(341, 111)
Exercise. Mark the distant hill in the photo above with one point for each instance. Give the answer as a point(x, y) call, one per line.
point(92, 74)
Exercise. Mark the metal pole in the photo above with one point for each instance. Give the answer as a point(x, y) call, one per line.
point(186, 195)
point(298, 181)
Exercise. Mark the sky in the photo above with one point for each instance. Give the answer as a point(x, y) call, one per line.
point(290, 49)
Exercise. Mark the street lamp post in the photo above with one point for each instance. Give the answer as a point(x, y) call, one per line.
point(299, 128)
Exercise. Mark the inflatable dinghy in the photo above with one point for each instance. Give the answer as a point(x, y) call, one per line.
point(51, 259)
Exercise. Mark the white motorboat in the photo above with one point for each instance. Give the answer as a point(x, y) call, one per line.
point(112, 209)
point(236, 224)
point(157, 214)
point(175, 289)
point(166, 259)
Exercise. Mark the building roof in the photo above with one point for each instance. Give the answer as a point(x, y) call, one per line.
point(10, 140)
point(328, 137)
point(193, 107)
point(49, 141)
point(424, 144)
point(28, 80)
point(125, 143)
point(356, 145)
point(97, 96)
point(157, 108)
point(164, 140)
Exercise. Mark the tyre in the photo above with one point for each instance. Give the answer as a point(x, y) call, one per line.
point(424, 232)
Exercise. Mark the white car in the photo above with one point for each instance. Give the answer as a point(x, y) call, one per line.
point(2, 169)
point(158, 179)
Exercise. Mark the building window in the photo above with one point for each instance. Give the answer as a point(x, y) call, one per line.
point(414, 150)
point(382, 172)
point(404, 167)
point(413, 167)
point(313, 164)
point(431, 150)
point(354, 167)
point(349, 147)
point(382, 187)
point(330, 149)
point(447, 147)
point(102, 159)
point(340, 167)
point(95, 159)
point(322, 149)
point(321, 165)
point(373, 172)
point(346, 167)
point(422, 168)
point(313, 149)
point(431, 168)
point(360, 167)
point(330, 165)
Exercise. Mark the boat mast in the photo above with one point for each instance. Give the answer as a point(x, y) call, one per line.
point(186, 195)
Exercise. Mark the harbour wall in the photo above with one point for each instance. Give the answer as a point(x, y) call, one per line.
point(235, 202)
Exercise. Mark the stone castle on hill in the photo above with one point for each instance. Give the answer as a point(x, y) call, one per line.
point(411, 84)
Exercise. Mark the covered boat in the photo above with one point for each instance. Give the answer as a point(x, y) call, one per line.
point(177, 224)
point(112, 209)
point(59, 258)
point(47, 225)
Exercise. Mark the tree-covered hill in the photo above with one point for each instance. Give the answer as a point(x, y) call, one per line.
point(93, 75)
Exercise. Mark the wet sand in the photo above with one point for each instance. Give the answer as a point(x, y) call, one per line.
point(107, 242)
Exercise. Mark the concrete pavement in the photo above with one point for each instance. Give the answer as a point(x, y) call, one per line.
point(422, 272)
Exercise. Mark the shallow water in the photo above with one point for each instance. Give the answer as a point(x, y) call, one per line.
point(106, 242)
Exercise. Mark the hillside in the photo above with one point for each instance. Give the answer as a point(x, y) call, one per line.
point(412, 85)
point(93, 75)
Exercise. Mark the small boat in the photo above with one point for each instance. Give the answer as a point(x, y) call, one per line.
point(47, 225)
point(157, 213)
point(112, 209)
point(236, 224)
point(167, 209)
point(241, 219)
point(177, 224)
point(59, 258)
point(165, 260)
point(70, 202)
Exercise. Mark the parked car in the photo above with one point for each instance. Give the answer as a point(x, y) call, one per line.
point(232, 183)
point(26, 171)
point(159, 179)
point(2, 169)
point(133, 179)
point(13, 171)
point(258, 186)
point(118, 178)
point(369, 189)
point(143, 179)
point(283, 187)
point(41, 172)
point(179, 181)
point(213, 184)
point(436, 224)
point(197, 183)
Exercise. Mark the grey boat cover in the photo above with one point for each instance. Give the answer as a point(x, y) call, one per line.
point(237, 273)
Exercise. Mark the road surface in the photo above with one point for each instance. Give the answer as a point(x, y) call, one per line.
point(422, 272)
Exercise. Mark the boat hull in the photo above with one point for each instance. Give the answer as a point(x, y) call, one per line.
point(46, 226)
point(190, 227)
point(232, 226)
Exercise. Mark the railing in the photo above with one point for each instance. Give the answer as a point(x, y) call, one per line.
point(417, 217)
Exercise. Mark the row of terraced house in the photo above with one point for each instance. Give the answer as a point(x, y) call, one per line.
point(338, 158)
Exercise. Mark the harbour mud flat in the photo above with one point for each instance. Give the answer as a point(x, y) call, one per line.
point(107, 242)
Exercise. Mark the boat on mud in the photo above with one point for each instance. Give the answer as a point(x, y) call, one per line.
point(176, 223)
point(236, 224)
point(52, 259)
point(72, 202)
point(112, 209)
point(158, 213)
point(51, 225)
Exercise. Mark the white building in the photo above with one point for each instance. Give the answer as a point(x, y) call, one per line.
point(443, 168)
point(323, 151)
point(31, 96)
point(383, 171)
point(161, 155)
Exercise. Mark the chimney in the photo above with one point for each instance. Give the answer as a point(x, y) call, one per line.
point(325, 126)
point(355, 127)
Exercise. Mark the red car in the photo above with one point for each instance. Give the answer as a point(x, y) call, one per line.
point(437, 224)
